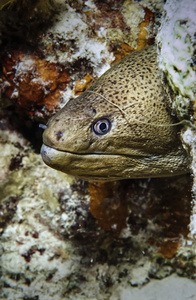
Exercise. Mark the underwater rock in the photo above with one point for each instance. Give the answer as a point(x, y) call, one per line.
point(79, 41)
point(32, 83)
point(51, 245)
point(176, 39)
point(82, 85)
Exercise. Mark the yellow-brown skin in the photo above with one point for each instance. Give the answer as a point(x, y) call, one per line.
point(131, 148)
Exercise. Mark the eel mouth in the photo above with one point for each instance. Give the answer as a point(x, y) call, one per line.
point(110, 167)
point(88, 166)
point(50, 154)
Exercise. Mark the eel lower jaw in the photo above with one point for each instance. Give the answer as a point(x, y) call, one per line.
point(85, 166)
point(48, 154)
point(109, 167)
point(51, 155)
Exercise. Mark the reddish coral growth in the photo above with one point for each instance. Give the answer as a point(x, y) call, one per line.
point(82, 85)
point(171, 213)
point(159, 209)
point(121, 52)
point(107, 206)
point(32, 82)
point(108, 15)
point(169, 248)
point(143, 38)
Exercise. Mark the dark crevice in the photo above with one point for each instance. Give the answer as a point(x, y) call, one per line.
point(13, 119)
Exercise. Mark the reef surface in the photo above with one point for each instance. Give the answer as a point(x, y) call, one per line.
point(63, 238)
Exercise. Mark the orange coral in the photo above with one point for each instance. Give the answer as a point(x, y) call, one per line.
point(121, 52)
point(82, 85)
point(33, 82)
point(169, 248)
point(107, 206)
point(142, 206)
point(143, 38)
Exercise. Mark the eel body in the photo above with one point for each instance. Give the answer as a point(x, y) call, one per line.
point(119, 128)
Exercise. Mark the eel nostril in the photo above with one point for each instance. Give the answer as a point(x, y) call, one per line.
point(58, 135)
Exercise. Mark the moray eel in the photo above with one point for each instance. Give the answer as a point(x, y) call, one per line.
point(112, 131)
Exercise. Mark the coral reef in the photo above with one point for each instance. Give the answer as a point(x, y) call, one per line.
point(177, 59)
point(63, 238)
point(33, 83)
point(52, 247)
point(83, 41)
point(177, 52)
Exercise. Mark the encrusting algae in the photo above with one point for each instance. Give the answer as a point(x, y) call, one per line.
point(51, 245)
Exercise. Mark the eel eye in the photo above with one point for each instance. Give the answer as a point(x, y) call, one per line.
point(101, 126)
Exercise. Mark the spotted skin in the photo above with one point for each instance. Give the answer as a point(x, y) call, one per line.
point(133, 97)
